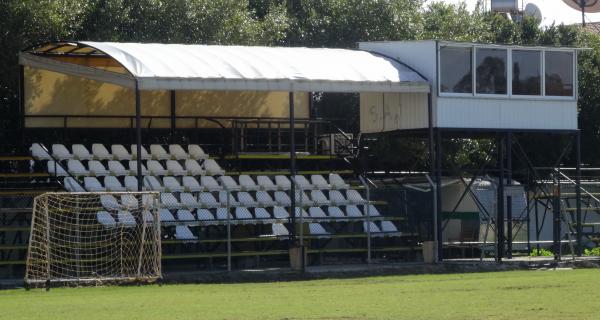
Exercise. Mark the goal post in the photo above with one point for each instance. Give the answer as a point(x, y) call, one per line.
point(94, 237)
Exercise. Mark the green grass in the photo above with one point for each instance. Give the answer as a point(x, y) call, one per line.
point(564, 294)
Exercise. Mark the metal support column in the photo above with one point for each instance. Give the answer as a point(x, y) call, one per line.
point(138, 136)
point(509, 212)
point(578, 192)
point(438, 190)
point(556, 219)
point(22, 102)
point(292, 166)
point(173, 113)
point(500, 203)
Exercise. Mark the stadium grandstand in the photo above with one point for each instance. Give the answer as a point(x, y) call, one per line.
point(248, 175)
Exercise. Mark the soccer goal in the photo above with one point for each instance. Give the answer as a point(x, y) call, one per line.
point(94, 237)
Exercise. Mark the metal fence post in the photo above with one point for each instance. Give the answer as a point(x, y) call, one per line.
point(368, 212)
point(228, 204)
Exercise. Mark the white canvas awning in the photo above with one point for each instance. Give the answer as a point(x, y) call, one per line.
point(214, 67)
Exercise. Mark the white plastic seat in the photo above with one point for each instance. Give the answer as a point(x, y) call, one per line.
point(319, 182)
point(194, 168)
point(106, 219)
point(336, 212)
point(243, 214)
point(131, 183)
point(129, 201)
point(172, 185)
point(191, 184)
point(223, 199)
point(282, 199)
point(353, 211)
point(145, 155)
point(148, 201)
point(388, 226)
point(207, 200)
point(113, 184)
point(262, 214)
point(319, 198)
point(302, 182)
point(96, 168)
point(158, 152)
point(115, 168)
point(61, 152)
point(316, 229)
point(77, 168)
point(265, 183)
point(280, 213)
point(336, 182)
point(151, 183)
point(109, 202)
point(316, 212)
point(373, 212)
point(212, 168)
point(133, 168)
point(264, 199)
point(374, 229)
point(246, 199)
point(120, 153)
point(196, 152)
point(100, 152)
point(228, 182)
point(246, 183)
point(184, 233)
point(165, 215)
point(222, 214)
point(168, 200)
point(175, 168)
point(209, 183)
point(279, 230)
point(72, 185)
point(185, 215)
point(337, 198)
point(188, 200)
point(177, 152)
point(38, 152)
point(156, 169)
point(354, 197)
point(303, 199)
point(205, 215)
point(92, 184)
point(80, 152)
point(56, 169)
point(304, 213)
point(282, 182)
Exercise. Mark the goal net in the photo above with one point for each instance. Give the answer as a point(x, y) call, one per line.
point(98, 237)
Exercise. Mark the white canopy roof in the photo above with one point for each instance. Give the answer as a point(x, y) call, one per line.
point(214, 67)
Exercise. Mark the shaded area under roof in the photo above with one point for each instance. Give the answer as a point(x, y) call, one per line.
point(215, 67)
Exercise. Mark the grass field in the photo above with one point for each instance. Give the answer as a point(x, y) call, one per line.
point(563, 294)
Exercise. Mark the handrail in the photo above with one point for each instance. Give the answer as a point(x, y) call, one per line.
point(557, 170)
point(56, 162)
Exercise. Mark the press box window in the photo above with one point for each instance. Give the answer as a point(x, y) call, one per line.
point(559, 73)
point(455, 70)
point(526, 73)
point(491, 71)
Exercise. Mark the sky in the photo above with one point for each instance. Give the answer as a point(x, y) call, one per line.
point(552, 11)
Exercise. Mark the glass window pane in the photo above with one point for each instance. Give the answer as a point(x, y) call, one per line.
point(455, 70)
point(491, 71)
point(526, 73)
point(559, 73)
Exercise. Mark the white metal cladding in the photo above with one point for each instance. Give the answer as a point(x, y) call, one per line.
point(207, 67)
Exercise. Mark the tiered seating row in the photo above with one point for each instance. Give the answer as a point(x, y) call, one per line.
point(118, 152)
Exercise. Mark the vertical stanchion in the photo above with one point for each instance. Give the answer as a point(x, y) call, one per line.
point(500, 203)
point(368, 212)
point(509, 227)
point(438, 190)
point(300, 209)
point(579, 228)
point(435, 216)
point(228, 206)
point(556, 237)
point(138, 136)
point(292, 166)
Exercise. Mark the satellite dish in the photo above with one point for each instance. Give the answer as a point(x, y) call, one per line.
point(531, 10)
point(590, 6)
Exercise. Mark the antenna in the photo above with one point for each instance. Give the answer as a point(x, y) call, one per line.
point(532, 10)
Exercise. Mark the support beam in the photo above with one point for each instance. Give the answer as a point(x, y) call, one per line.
point(438, 190)
point(578, 192)
point(432, 166)
point(292, 166)
point(138, 136)
point(500, 203)
point(173, 111)
point(509, 211)
point(21, 111)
